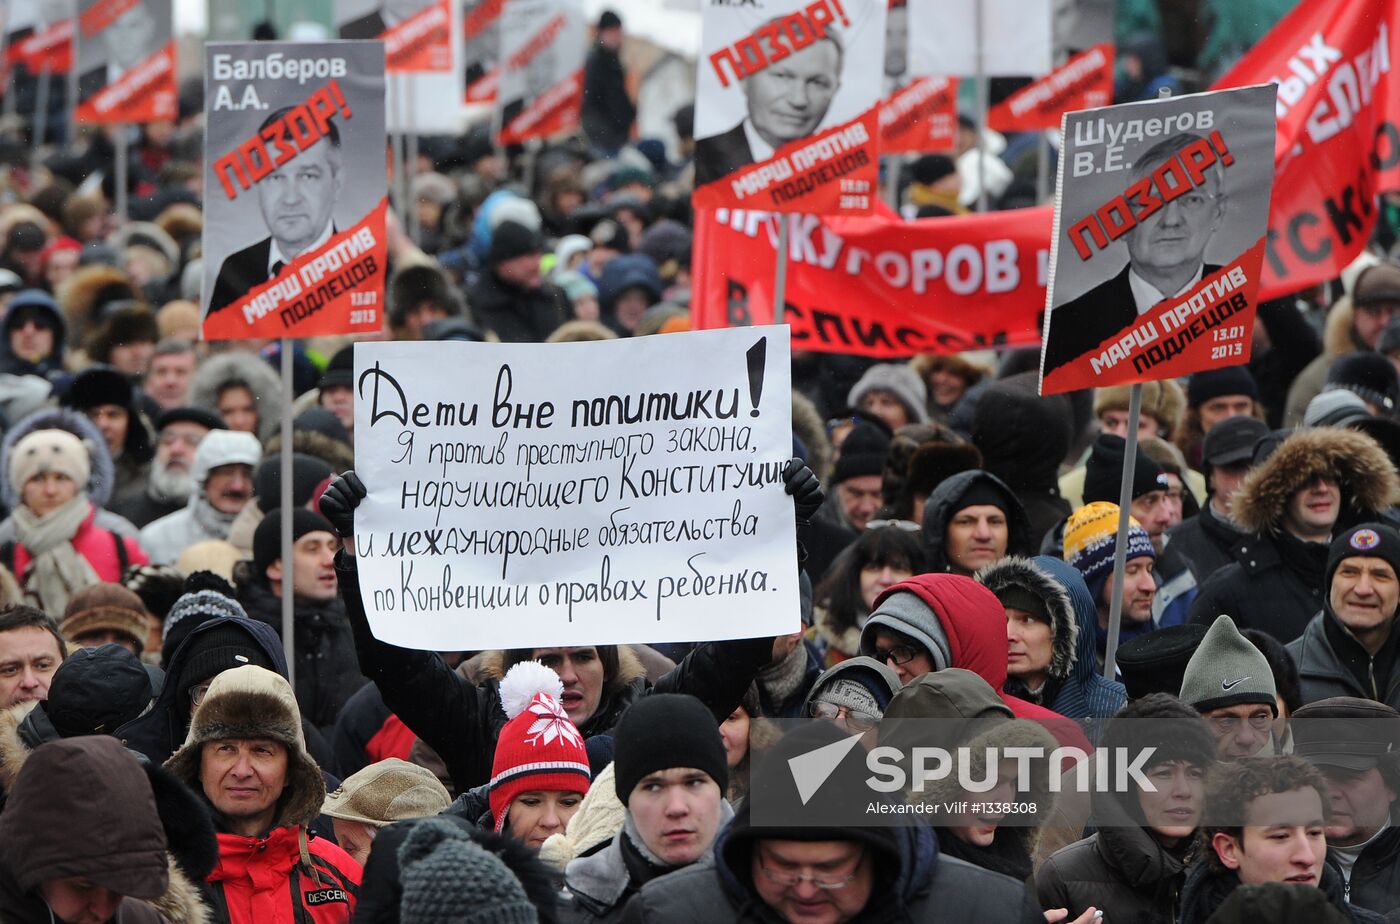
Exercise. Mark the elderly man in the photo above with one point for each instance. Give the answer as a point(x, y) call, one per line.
point(1229, 682)
point(1349, 649)
point(247, 755)
point(170, 480)
point(223, 478)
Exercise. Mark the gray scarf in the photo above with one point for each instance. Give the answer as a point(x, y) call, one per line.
point(212, 521)
point(56, 570)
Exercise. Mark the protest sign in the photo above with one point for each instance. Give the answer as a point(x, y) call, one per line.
point(542, 52)
point(787, 106)
point(125, 51)
point(39, 35)
point(919, 117)
point(294, 189)
point(878, 286)
point(576, 493)
point(417, 34)
point(1078, 25)
point(1161, 209)
point(1338, 133)
point(1015, 37)
point(481, 28)
point(1085, 81)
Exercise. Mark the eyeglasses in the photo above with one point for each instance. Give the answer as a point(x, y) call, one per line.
point(198, 692)
point(1227, 724)
point(856, 721)
point(909, 526)
point(792, 879)
point(899, 654)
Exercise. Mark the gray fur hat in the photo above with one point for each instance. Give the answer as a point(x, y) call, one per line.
point(899, 380)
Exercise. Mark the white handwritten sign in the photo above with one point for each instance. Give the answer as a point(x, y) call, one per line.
point(535, 495)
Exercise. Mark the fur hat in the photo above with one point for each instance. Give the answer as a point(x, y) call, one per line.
point(1367, 477)
point(106, 606)
point(1164, 400)
point(45, 451)
point(415, 284)
point(897, 379)
point(101, 474)
point(253, 702)
point(539, 748)
point(933, 462)
point(1014, 576)
point(387, 791)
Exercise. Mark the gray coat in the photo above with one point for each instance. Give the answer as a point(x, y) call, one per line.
point(1321, 673)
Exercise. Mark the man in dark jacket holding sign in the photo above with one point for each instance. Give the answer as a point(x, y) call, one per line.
point(1166, 258)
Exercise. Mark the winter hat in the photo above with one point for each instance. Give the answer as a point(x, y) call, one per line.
point(906, 612)
point(1227, 670)
point(341, 369)
point(218, 649)
point(321, 422)
point(1370, 376)
point(95, 691)
point(415, 284)
point(203, 605)
point(1336, 407)
point(1379, 282)
point(1233, 440)
point(1217, 383)
point(930, 168)
point(1369, 540)
point(539, 748)
point(932, 463)
point(96, 386)
point(105, 606)
point(853, 695)
point(1090, 535)
point(267, 538)
point(195, 415)
point(158, 586)
point(897, 379)
point(570, 246)
point(1103, 472)
point(1155, 662)
point(447, 878)
point(609, 20)
point(307, 473)
point(510, 240)
point(225, 447)
point(1347, 733)
point(1164, 400)
point(863, 452)
point(387, 791)
point(46, 451)
point(665, 730)
point(861, 684)
point(575, 285)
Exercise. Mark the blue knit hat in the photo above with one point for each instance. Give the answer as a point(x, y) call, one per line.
point(1090, 535)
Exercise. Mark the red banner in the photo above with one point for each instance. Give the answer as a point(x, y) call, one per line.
point(481, 80)
point(553, 112)
point(922, 117)
point(423, 42)
point(834, 172)
point(1338, 138)
point(1085, 81)
point(52, 48)
point(146, 93)
point(484, 89)
point(878, 286)
point(334, 289)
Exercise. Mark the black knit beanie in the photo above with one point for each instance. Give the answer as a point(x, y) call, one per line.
point(863, 452)
point(307, 473)
point(663, 731)
point(1369, 540)
point(1103, 472)
point(267, 538)
point(218, 649)
point(1217, 383)
point(510, 240)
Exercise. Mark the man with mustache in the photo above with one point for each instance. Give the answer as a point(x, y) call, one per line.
point(223, 481)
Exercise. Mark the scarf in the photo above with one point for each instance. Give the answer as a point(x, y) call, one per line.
point(214, 523)
point(780, 682)
point(56, 570)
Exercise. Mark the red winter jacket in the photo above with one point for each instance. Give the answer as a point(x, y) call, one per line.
point(975, 622)
point(96, 543)
point(257, 877)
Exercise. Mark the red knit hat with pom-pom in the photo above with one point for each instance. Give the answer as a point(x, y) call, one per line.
point(539, 748)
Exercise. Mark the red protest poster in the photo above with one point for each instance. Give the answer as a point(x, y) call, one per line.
point(877, 285)
point(921, 117)
point(787, 106)
point(1160, 218)
point(1085, 81)
point(294, 189)
point(481, 49)
point(125, 58)
point(39, 36)
point(542, 52)
point(417, 34)
point(1338, 139)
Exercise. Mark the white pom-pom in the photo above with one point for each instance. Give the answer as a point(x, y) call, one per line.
point(523, 681)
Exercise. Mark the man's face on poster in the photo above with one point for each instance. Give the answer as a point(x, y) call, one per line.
point(131, 37)
point(1173, 239)
point(298, 197)
point(788, 99)
point(896, 41)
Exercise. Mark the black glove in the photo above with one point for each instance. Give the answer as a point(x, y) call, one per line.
point(801, 482)
point(340, 500)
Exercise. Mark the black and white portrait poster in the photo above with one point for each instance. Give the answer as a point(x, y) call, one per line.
point(124, 52)
point(1161, 209)
point(294, 189)
point(787, 106)
point(543, 44)
point(417, 34)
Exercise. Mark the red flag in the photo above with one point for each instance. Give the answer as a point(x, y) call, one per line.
point(878, 286)
point(920, 117)
point(1338, 137)
point(1085, 81)
point(423, 42)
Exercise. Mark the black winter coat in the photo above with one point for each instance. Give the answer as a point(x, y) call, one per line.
point(1375, 879)
point(608, 112)
point(517, 315)
point(1207, 887)
point(1122, 871)
point(1274, 584)
point(1205, 542)
point(461, 721)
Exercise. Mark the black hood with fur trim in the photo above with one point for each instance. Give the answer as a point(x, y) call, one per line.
point(1368, 480)
point(102, 474)
point(1022, 573)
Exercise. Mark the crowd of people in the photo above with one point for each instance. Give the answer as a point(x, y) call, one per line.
point(956, 536)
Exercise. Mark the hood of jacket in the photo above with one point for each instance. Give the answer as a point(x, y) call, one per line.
point(161, 730)
point(972, 618)
point(34, 299)
point(248, 368)
point(1023, 436)
point(1086, 694)
point(1026, 575)
point(1338, 333)
point(1368, 479)
point(946, 500)
point(102, 474)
